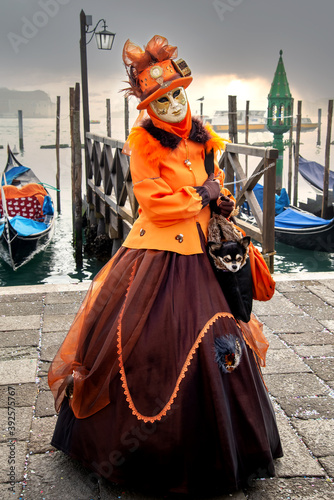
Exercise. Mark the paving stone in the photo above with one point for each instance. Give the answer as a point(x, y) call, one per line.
point(43, 384)
point(21, 308)
point(17, 417)
point(297, 460)
point(323, 312)
point(21, 297)
point(288, 323)
point(317, 434)
point(18, 371)
point(277, 303)
point(51, 342)
point(25, 394)
point(283, 361)
point(295, 384)
point(65, 297)
point(309, 338)
point(291, 489)
point(307, 407)
point(315, 351)
point(290, 286)
point(32, 322)
point(16, 451)
point(45, 405)
point(55, 476)
point(328, 323)
point(19, 338)
point(11, 492)
point(58, 323)
point(17, 352)
point(43, 368)
point(322, 291)
point(328, 465)
point(324, 368)
point(41, 434)
point(274, 341)
point(304, 298)
point(60, 309)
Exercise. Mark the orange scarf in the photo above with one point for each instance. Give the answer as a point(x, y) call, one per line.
point(181, 129)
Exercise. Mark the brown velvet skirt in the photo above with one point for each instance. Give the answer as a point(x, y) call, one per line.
point(151, 407)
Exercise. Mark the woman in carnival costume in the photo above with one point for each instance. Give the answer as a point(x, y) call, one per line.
point(157, 385)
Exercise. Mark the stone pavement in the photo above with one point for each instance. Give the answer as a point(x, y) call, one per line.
point(299, 324)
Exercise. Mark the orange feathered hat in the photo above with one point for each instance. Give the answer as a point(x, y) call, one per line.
point(153, 72)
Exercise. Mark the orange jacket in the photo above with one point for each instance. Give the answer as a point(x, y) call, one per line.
point(163, 184)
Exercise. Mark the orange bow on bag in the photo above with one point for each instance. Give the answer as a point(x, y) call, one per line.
point(263, 283)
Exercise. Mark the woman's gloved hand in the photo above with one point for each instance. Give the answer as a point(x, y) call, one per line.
point(212, 186)
point(225, 206)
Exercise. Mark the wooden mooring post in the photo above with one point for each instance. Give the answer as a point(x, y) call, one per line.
point(299, 122)
point(20, 118)
point(108, 118)
point(58, 154)
point(324, 208)
point(76, 164)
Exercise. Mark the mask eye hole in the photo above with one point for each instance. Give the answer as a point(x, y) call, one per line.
point(176, 93)
point(163, 99)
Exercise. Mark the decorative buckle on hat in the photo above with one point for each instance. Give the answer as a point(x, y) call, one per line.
point(156, 72)
point(182, 67)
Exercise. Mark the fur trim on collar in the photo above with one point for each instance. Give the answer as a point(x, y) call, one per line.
point(154, 143)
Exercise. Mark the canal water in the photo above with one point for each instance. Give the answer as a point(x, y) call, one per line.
point(57, 264)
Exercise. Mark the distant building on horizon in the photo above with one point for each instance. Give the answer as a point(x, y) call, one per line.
point(34, 104)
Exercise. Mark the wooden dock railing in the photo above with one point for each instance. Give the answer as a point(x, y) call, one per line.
point(264, 231)
point(110, 192)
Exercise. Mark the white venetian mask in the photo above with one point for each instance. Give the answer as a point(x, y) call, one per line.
point(172, 106)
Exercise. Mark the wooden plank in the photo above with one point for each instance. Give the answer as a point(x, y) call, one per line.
point(250, 230)
point(252, 150)
point(251, 182)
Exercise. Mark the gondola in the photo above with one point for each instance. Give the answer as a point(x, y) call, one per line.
point(296, 227)
point(313, 173)
point(26, 214)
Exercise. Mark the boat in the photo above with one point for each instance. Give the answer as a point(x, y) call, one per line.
point(313, 173)
point(296, 227)
point(26, 214)
point(257, 122)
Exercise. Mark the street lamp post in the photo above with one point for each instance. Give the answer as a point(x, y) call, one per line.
point(104, 40)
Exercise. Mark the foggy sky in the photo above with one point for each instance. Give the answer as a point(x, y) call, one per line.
point(217, 38)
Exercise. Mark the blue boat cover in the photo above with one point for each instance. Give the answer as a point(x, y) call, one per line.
point(27, 227)
point(281, 201)
point(294, 219)
point(14, 172)
point(313, 172)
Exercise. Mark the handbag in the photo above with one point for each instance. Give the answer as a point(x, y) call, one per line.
point(237, 287)
point(263, 282)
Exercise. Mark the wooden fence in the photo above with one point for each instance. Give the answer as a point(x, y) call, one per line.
point(110, 192)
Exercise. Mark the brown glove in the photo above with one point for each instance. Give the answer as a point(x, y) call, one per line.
point(212, 186)
point(225, 206)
